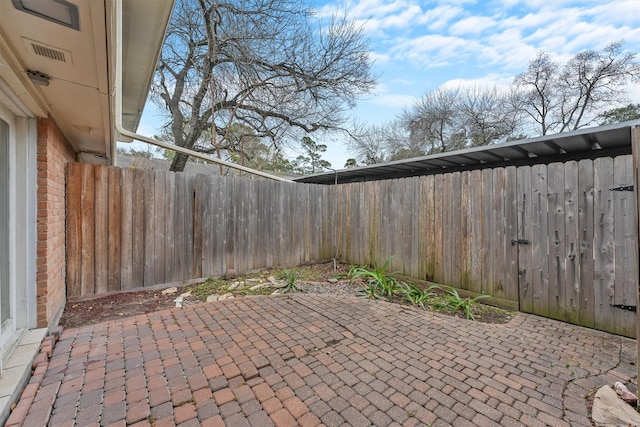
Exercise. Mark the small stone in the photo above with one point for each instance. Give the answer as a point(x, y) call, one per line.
point(259, 286)
point(178, 304)
point(253, 280)
point(186, 294)
point(276, 292)
point(332, 280)
point(179, 299)
point(271, 279)
point(213, 297)
point(609, 410)
point(223, 297)
point(170, 291)
point(233, 286)
point(230, 274)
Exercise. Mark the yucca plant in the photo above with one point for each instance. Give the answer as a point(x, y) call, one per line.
point(291, 280)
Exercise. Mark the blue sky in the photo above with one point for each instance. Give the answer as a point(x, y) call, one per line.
point(421, 45)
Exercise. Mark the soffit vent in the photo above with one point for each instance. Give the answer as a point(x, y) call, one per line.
point(46, 51)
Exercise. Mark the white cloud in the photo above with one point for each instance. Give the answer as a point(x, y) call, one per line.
point(471, 26)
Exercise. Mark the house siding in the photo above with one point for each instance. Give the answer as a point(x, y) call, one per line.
point(53, 154)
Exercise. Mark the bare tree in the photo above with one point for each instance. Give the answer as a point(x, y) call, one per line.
point(262, 64)
point(434, 121)
point(488, 115)
point(561, 98)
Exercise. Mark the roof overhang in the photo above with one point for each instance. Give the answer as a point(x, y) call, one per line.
point(602, 141)
point(79, 67)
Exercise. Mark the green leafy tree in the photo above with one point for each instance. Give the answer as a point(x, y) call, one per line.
point(311, 161)
point(621, 114)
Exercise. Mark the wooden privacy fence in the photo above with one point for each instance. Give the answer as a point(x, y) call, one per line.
point(553, 239)
point(129, 228)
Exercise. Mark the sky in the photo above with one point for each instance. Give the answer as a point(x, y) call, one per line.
point(419, 46)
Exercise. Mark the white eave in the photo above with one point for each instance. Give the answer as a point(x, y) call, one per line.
point(79, 97)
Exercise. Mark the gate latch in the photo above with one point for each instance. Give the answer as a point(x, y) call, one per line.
point(519, 241)
point(625, 307)
point(622, 188)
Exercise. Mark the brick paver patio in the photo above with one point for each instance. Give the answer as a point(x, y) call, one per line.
point(311, 360)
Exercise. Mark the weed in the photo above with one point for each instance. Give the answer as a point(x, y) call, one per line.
point(291, 278)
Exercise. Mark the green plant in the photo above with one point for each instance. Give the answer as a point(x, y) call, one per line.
point(291, 278)
point(378, 282)
point(417, 296)
point(453, 301)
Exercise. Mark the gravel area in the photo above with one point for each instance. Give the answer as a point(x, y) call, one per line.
point(340, 288)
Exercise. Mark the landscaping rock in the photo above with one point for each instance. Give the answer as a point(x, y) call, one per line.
point(223, 297)
point(609, 410)
point(185, 295)
point(259, 286)
point(213, 297)
point(625, 394)
point(234, 285)
point(332, 280)
point(230, 274)
point(170, 291)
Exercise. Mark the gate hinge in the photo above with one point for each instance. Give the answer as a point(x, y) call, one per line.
point(624, 307)
point(623, 188)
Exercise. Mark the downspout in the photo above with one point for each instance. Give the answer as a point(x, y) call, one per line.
point(123, 132)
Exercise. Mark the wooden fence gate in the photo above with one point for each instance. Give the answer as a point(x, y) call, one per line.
point(576, 243)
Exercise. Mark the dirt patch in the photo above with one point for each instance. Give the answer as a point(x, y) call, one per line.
point(113, 306)
point(316, 278)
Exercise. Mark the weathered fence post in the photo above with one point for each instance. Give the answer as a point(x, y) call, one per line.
point(635, 149)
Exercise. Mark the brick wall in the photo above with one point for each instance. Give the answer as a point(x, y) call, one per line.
point(53, 155)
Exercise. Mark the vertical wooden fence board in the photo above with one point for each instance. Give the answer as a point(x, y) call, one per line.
point(114, 221)
point(159, 234)
point(170, 228)
point(488, 234)
point(572, 243)
point(180, 231)
point(126, 231)
point(101, 228)
point(438, 249)
point(465, 230)
point(525, 230)
point(415, 228)
point(375, 218)
point(449, 232)
point(539, 240)
point(199, 198)
point(209, 189)
point(455, 238)
point(557, 252)
point(511, 231)
point(624, 235)
point(74, 230)
point(88, 230)
point(498, 235)
point(232, 223)
point(476, 239)
point(585, 228)
point(138, 236)
point(604, 265)
point(149, 228)
point(189, 230)
point(430, 218)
